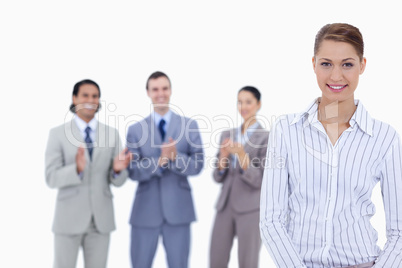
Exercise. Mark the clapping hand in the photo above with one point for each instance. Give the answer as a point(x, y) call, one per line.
point(121, 160)
point(229, 147)
point(80, 159)
point(168, 152)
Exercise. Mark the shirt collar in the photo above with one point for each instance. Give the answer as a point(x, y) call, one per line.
point(82, 125)
point(157, 117)
point(360, 117)
point(250, 129)
point(310, 112)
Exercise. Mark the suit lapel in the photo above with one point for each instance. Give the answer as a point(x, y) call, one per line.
point(232, 134)
point(250, 145)
point(153, 131)
point(174, 124)
point(100, 141)
point(76, 134)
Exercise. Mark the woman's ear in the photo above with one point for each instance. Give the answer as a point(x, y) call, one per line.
point(313, 61)
point(363, 65)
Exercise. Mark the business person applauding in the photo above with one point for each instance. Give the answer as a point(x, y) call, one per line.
point(166, 149)
point(239, 169)
point(82, 160)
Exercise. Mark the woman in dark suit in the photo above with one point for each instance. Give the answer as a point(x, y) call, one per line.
point(239, 168)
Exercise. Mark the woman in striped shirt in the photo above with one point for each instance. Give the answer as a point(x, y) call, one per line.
point(323, 165)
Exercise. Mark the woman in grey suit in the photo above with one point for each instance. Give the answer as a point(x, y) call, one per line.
point(239, 168)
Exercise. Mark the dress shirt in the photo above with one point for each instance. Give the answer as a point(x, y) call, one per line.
point(316, 197)
point(82, 125)
point(243, 138)
point(93, 124)
point(157, 118)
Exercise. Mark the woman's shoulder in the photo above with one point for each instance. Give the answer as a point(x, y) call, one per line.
point(287, 120)
point(381, 128)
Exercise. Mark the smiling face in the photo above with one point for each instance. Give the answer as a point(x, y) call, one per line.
point(248, 105)
point(159, 92)
point(337, 67)
point(86, 102)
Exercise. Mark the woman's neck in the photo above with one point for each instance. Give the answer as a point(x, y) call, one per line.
point(336, 112)
point(335, 117)
point(247, 124)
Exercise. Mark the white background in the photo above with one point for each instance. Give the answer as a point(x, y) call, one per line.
point(209, 49)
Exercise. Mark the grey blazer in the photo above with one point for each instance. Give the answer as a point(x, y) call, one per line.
point(164, 193)
point(243, 186)
point(80, 199)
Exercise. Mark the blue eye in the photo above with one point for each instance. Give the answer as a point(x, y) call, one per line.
point(326, 64)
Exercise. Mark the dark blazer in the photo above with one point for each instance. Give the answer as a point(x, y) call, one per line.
point(164, 193)
point(243, 185)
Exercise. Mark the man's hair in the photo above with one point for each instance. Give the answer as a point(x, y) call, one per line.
point(77, 88)
point(156, 75)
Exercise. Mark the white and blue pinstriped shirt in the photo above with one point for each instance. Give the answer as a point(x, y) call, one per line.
point(316, 197)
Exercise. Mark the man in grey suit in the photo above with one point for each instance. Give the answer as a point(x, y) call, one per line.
point(82, 160)
point(166, 148)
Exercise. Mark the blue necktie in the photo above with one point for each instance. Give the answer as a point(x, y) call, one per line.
point(161, 129)
point(89, 141)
